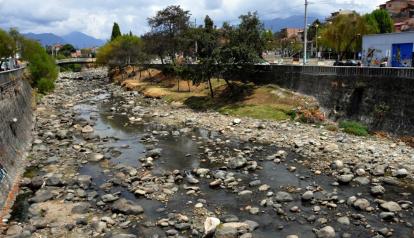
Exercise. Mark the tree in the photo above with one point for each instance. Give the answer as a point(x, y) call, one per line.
point(116, 31)
point(344, 34)
point(169, 26)
point(384, 21)
point(7, 45)
point(42, 67)
point(67, 49)
point(123, 51)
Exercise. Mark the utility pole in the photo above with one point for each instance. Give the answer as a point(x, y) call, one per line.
point(196, 43)
point(305, 37)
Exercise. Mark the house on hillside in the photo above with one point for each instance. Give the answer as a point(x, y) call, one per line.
point(402, 12)
point(337, 13)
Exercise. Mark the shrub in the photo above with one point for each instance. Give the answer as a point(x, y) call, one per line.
point(354, 128)
point(45, 85)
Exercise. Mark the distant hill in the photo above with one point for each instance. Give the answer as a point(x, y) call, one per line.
point(45, 38)
point(77, 39)
point(81, 40)
point(292, 22)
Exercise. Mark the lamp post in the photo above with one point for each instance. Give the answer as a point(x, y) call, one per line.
point(316, 41)
point(305, 38)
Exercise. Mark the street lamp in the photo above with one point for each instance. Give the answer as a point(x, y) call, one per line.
point(316, 39)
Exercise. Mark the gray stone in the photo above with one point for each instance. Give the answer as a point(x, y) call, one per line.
point(345, 178)
point(377, 190)
point(308, 195)
point(401, 173)
point(326, 232)
point(391, 206)
point(236, 163)
point(361, 203)
point(283, 197)
point(344, 220)
point(127, 207)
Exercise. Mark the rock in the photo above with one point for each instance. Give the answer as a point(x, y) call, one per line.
point(81, 208)
point(210, 225)
point(338, 164)
point(254, 210)
point(264, 188)
point(236, 163)
point(361, 203)
point(183, 226)
point(109, 198)
point(84, 181)
point(308, 195)
point(155, 153)
point(331, 147)
point(401, 173)
point(87, 129)
point(345, 178)
point(387, 215)
point(42, 195)
point(292, 236)
point(236, 121)
point(283, 197)
point(124, 236)
point(379, 170)
point(127, 207)
point(252, 225)
point(326, 232)
point(231, 230)
point(95, 157)
point(344, 220)
point(14, 230)
point(391, 206)
point(377, 190)
point(171, 232)
point(360, 172)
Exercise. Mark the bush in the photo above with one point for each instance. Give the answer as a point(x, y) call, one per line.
point(354, 128)
point(45, 85)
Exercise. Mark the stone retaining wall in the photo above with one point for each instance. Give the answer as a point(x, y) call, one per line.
point(16, 119)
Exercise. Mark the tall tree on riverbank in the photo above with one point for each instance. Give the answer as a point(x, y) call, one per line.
point(116, 31)
point(7, 45)
point(169, 26)
point(382, 21)
point(344, 33)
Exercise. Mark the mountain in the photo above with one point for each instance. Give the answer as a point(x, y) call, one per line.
point(81, 40)
point(77, 39)
point(293, 22)
point(45, 38)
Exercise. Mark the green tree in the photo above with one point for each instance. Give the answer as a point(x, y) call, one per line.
point(116, 31)
point(383, 20)
point(123, 51)
point(67, 49)
point(169, 26)
point(344, 34)
point(7, 45)
point(42, 67)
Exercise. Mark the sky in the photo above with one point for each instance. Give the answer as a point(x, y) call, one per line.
point(95, 17)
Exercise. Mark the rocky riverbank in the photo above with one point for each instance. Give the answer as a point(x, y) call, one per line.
point(111, 163)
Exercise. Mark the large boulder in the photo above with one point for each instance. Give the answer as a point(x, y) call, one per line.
point(127, 207)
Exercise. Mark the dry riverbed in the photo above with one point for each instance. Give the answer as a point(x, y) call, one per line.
point(110, 163)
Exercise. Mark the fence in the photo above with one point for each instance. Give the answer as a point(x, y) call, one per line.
point(8, 79)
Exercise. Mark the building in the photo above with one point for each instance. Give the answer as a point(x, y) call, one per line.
point(291, 33)
point(337, 13)
point(402, 12)
point(392, 49)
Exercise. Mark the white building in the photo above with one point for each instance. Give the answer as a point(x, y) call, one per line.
point(394, 49)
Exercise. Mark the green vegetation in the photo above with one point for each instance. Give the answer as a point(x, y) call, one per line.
point(67, 50)
point(265, 112)
point(42, 67)
point(116, 31)
point(121, 52)
point(71, 68)
point(354, 128)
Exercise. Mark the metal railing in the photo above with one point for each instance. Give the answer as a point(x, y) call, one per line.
point(8, 79)
point(76, 60)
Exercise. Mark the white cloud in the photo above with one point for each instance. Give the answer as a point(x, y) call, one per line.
point(95, 17)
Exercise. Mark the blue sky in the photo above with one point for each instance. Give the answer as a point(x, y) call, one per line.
point(95, 17)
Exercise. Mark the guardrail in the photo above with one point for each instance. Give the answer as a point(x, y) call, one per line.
point(76, 60)
point(8, 79)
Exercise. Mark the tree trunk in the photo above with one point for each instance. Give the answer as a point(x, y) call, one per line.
point(211, 88)
point(188, 83)
point(178, 83)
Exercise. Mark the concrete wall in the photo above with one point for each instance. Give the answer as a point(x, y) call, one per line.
point(15, 129)
point(382, 98)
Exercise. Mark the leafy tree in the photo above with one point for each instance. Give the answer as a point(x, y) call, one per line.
point(383, 20)
point(344, 33)
point(123, 51)
point(67, 49)
point(169, 26)
point(42, 67)
point(7, 45)
point(116, 31)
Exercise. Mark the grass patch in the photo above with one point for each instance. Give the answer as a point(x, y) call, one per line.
point(354, 128)
point(264, 112)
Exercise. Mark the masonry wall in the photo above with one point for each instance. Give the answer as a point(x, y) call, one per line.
point(382, 98)
point(15, 130)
